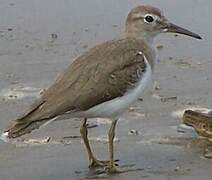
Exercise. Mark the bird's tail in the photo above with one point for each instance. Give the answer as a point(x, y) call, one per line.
point(20, 128)
point(28, 122)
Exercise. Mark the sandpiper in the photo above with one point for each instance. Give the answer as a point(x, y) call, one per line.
point(103, 82)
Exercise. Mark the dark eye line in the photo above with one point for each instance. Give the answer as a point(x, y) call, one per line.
point(158, 21)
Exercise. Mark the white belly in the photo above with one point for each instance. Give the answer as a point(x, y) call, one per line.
point(115, 107)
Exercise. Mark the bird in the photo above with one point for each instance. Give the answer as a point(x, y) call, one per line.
point(103, 82)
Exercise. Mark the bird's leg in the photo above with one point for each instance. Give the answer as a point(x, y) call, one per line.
point(93, 162)
point(112, 168)
point(111, 134)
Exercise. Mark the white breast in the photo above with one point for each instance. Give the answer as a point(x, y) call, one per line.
point(115, 107)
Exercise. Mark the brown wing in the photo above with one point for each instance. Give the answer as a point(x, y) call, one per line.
point(105, 72)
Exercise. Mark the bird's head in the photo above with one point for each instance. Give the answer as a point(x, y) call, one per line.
point(146, 22)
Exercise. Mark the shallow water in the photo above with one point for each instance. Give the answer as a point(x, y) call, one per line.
point(38, 39)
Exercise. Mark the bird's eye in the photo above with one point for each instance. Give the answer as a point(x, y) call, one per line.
point(148, 19)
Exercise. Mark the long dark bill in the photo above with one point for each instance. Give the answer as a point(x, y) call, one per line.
point(177, 29)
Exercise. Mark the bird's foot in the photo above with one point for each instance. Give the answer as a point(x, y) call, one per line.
point(98, 163)
point(114, 169)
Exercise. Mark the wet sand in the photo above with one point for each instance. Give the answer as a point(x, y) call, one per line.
point(39, 39)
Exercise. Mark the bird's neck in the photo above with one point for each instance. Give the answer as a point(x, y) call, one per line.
point(146, 37)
